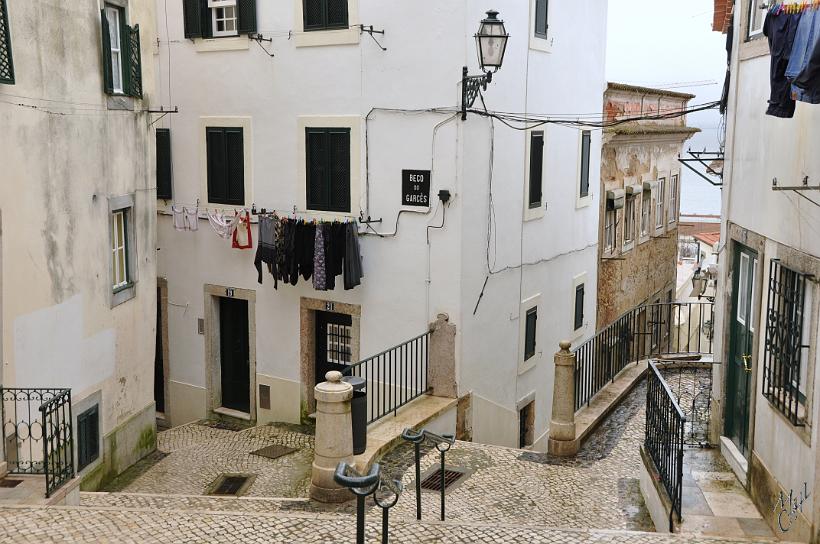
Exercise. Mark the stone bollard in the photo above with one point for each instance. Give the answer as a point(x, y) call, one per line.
point(334, 438)
point(562, 440)
point(441, 370)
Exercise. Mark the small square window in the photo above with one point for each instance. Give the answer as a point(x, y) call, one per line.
point(530, 333)
point(757, 16)
point(88, 437)
point(223, 17)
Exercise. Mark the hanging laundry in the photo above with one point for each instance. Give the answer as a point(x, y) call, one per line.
point(178, 214)
point(266, 250)
point(780, 28)
point(353, 259)
point(191, 218)
point(307, 252)
point(242, 238)
point(222, 226)
point(805, 43)
point(319, 281)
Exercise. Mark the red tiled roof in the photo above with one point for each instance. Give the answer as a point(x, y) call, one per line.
point(710, 238)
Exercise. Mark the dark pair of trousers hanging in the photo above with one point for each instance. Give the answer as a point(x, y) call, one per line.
point(780, 31)
point(353, 259)
point(266, 250)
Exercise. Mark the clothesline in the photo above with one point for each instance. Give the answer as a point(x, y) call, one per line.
point(253, 210)
point(790, 8)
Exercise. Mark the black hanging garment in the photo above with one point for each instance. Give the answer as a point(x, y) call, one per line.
point(780, 31)
point(293, 258)
point(334, 252)
point(266, 250)
point(353, 259)
point(307, 243)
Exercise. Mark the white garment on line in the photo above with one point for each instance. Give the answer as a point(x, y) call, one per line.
point(191, 218)
point(179, 217)
point(223, 227)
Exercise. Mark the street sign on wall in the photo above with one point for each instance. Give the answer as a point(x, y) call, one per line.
point(415, 188)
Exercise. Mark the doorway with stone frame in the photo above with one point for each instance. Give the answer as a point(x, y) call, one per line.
point(230, 369)
point(340, 325)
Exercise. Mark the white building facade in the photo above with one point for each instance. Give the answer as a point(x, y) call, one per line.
point(77, 266)
point(768, 304)
point(515, 244)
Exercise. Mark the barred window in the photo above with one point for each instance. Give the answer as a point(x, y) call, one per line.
point(6, 64)
point(786, 355)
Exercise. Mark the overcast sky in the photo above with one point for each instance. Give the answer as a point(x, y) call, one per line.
point(666, 43)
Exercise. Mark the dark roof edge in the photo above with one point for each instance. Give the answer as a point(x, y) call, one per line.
point(647, 90)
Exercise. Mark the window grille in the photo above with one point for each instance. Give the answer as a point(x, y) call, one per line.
point(339, 344)
point(784, 364)
point(6, 64)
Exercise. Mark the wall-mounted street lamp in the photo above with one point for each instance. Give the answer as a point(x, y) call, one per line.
point(491, 42)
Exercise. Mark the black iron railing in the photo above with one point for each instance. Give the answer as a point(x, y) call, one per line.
point(653, 330)
point(37, 433)
point(394, 377)
point(664, 438)
point(691, 384)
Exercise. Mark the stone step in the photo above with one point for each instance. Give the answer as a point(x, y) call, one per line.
point(193, 503)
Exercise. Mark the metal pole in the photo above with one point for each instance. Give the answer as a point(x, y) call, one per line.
point(442, 486)
point(464, 94)
point(417, 447)
point(385, 525)
point(360, 519)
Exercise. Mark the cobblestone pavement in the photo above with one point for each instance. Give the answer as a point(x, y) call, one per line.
point(192, 456)
point(598, 489)
point(101, 526)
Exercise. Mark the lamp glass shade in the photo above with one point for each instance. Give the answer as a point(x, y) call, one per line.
point(491, 42)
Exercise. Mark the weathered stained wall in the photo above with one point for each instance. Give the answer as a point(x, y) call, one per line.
point(643, 270)
point(65, 148)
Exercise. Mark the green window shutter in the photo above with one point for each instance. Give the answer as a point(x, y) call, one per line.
point(586, 141)
point(217, 165)
point(336, 14)
point(6, 62)
point(226, 165)
point(88, 443)
point(247, 16)
point(314, 14)
point(206, 21)
point(164, 169)
point(133, 61)
point(541, 18)
point(108, 81)
point(235, 153)
point(530, 333)
point(316, 149)
point(579, 307)
point(339, 169)
point(536, 168)
point(192, 18)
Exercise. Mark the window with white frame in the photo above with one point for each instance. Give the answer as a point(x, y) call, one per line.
point(609, 230)
point(673, 198)
point(115, 15)
point(223, 17)
point(757, 15)
point(660, 197)
point(629, 220)
point(339, 343)
point(119, 249)
point(646, 212)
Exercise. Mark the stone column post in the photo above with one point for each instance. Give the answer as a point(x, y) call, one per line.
point(441, 368)
point(334, 438)
point(562, 440)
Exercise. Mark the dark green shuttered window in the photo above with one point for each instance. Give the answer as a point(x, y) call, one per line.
point(122, 57)
point(325, 14)
point(198, 20)
point(327, 153)
point(536, 168)
point(6, 64)
point(529, 333)
point(88, 437)
point(541, 18)
point(579, 307)
point(226, 165)
point(586, 142)
point(164, 188)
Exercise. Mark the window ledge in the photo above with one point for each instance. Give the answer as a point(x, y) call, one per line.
point(542, 44)
point(628, 247)
point(123, 294)
point(532, 214)
point(233, 43)
point(756, 46)
point(529, 364)
point(119, 102)
point(316, 38)
point(583, 201)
